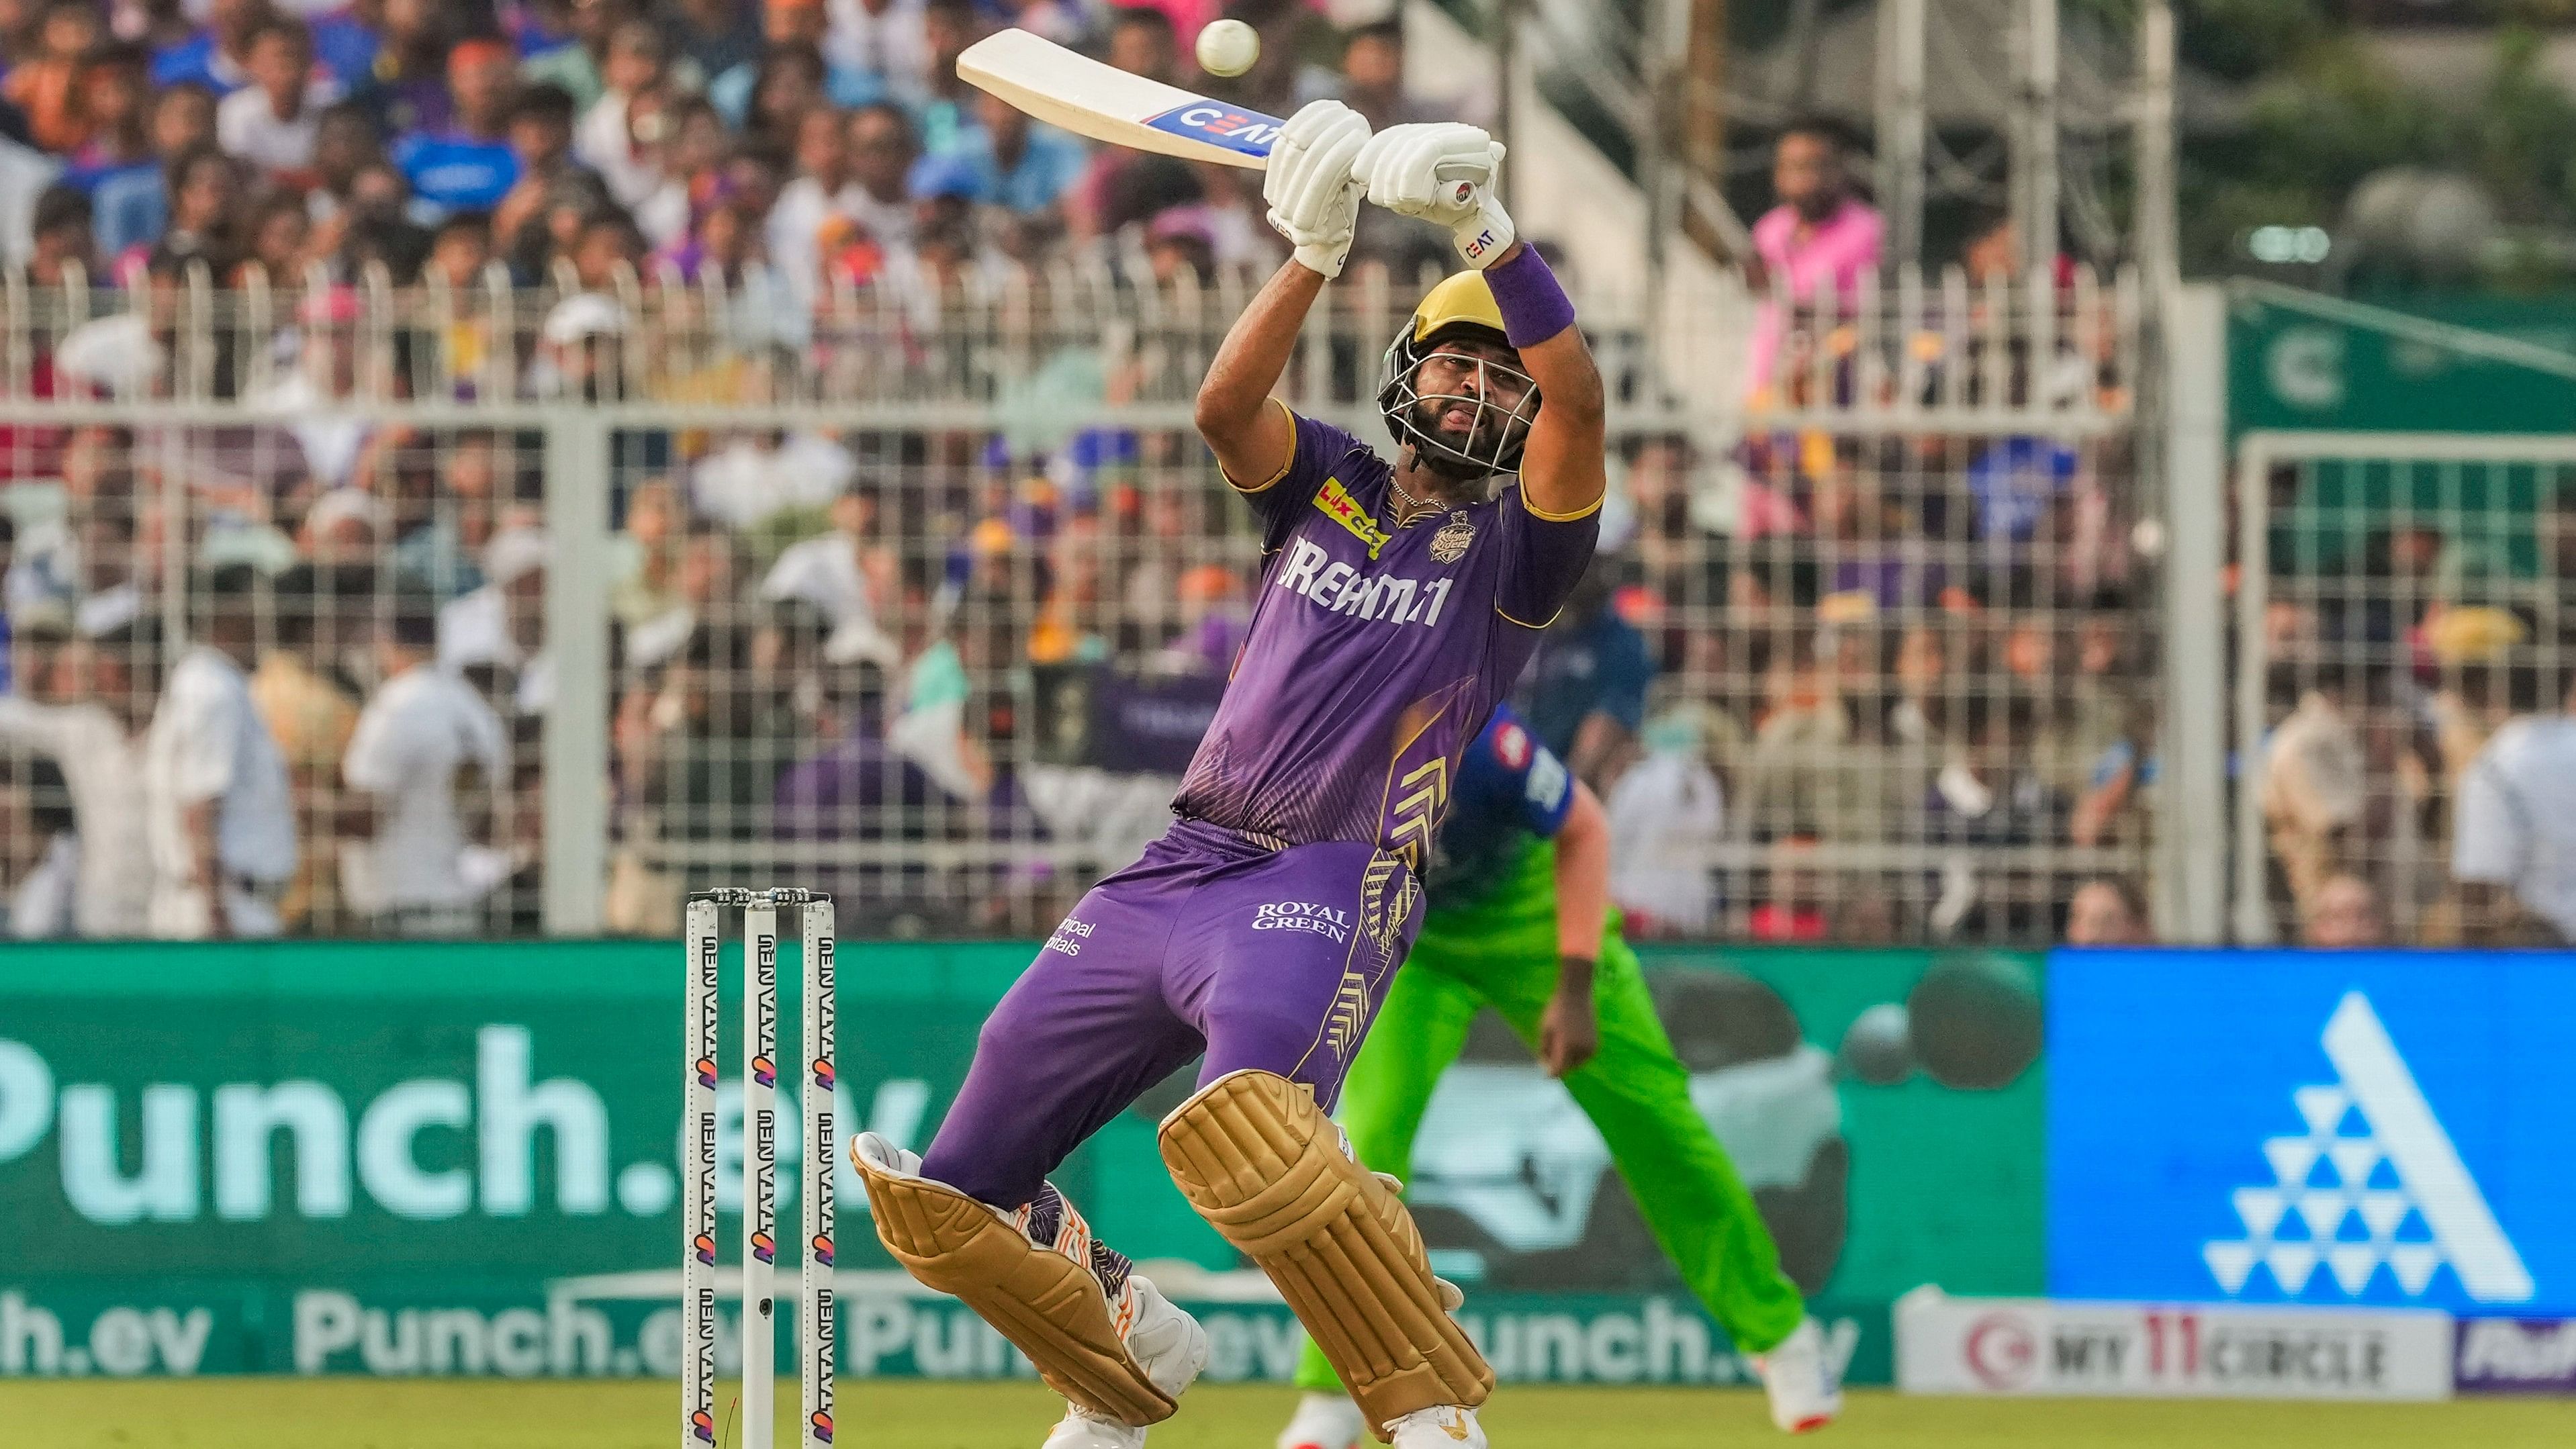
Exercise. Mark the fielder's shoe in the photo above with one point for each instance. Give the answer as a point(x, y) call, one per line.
point(1446, 1427)
point(1171, 1347)
point(1324, 1421)
point(1799, 1375)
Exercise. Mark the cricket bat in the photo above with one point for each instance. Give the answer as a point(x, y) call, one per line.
point(1105, 103)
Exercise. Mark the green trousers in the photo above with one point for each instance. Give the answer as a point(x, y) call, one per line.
point(1503, 954)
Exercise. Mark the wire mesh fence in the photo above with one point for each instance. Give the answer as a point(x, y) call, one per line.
point(555, 604)
point(2406, 636)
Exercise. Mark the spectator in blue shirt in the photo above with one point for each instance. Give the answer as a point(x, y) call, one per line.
point(2014, 481)
point(116, 167)
point(540, 27)
point(132, 203)
point(217, 56)
point(1018, 165)
point(347, 41)
point(469, 166)
point(114, 94)
point(946, 239)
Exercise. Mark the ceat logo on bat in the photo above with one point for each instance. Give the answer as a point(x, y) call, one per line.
point(764, 1247)
point(1248, 132)
point(706, 1249)
point(764, 1071)
point(823, 1249)
point(823, 1426)
point(1512, 743)
point(706, 1071)
point(823, 1075)
point(704, 1425)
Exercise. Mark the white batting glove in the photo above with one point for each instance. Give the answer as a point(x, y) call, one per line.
point(1314, 199)
point(1442, 172)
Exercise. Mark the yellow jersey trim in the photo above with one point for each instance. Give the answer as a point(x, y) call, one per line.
point(1541, 514)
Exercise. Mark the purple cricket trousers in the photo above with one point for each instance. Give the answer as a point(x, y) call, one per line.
point(1262, 957)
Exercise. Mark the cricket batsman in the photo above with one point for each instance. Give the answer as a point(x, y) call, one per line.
point(1520, 918)
point(1397, 602)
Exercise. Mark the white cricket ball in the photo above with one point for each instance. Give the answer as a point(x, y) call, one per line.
point(1228, 47)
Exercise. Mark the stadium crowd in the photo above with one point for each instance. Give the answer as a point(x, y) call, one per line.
point(2421, 709)
point(827, 140)
point(1834, 684)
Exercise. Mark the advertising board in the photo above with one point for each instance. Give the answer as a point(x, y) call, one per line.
point(2328, 1128)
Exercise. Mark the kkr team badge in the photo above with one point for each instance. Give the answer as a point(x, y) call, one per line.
point(1451, 541)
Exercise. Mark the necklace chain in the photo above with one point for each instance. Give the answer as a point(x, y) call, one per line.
point(1408, 507)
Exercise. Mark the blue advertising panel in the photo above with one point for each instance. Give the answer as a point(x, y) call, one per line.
point(2384, 1128)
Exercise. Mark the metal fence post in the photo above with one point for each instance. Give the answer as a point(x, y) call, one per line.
point(2191, 874)
point(2252, 916)
point(576, 731)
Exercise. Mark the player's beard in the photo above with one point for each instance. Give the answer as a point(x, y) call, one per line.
point(1477, 439)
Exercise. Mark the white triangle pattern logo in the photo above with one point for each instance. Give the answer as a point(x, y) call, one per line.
point(2346, 1227)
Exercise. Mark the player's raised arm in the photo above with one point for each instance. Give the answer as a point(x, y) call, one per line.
point(1314, 202)
point(1444, 172)
point(1562, 469)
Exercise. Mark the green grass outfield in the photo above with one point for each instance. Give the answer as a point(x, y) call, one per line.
point(268, 1413)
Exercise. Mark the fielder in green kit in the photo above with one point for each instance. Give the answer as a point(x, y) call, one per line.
point(1520, 919)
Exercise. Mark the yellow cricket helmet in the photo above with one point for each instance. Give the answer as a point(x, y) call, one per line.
point(1461, 306)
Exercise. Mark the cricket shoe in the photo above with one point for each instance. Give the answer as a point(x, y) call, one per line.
point(1324, 1421)
point(1167, 1343)
point(1799, 1376)
point(1445, 1427)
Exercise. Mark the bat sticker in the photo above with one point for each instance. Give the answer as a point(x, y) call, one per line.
point(1248, 132)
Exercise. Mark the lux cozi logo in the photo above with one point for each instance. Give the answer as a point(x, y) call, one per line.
point(1338, 505)
point(1345, 590)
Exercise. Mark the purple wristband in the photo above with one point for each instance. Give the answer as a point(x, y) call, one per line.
point(1534, 307)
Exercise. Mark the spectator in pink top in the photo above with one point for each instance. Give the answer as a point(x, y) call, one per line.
point(1819, 232)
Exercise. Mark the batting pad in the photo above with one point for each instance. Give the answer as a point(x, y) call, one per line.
point(1255, 1155)
point(1048, 1304)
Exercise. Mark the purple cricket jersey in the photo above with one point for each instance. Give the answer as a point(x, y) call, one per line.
point(1376, 651)
point(1262, 929)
